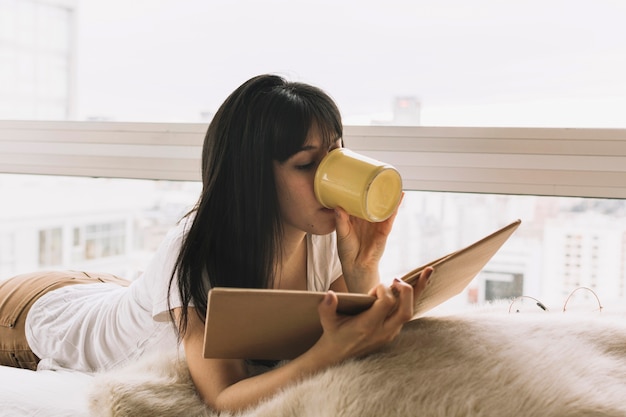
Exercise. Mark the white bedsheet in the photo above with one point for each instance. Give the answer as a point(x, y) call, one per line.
point(43, 393)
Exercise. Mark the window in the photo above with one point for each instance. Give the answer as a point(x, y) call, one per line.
point(429, 224)
point(489, 64)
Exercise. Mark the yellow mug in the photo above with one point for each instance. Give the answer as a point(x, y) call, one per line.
point(362, 186)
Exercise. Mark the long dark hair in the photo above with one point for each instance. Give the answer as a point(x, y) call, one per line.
point(233, 240)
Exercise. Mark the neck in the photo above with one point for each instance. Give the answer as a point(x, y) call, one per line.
point(290, 241)
point(291, 270)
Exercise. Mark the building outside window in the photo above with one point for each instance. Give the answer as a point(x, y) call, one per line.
point(37, 60)
point(104, 240)
point(7, 253)
point(51, 247)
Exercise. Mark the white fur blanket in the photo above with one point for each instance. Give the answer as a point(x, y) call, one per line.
point(545, 364)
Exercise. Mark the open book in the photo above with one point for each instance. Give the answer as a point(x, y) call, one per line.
point(282, 324)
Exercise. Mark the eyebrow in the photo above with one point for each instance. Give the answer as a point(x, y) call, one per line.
point(311, 147)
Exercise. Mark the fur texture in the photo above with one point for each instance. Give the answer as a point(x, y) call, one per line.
point(547, 364)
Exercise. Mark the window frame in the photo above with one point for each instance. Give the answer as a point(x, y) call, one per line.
point(573, 162)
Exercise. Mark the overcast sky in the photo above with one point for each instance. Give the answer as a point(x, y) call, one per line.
point(479, 62)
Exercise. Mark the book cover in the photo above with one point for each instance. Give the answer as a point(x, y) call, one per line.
point(282, 324)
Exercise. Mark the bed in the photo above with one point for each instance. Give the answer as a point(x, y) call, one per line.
point(482, 363)
point(44, 393)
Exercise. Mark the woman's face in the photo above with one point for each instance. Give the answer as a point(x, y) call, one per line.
point(299, 208)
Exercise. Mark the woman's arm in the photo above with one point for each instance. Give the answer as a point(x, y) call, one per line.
point(361, 244)
point(223, 384)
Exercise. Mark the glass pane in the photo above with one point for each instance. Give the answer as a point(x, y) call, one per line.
point(86, 223)
point(485, 63)
point(563, 244)
point(116, 225)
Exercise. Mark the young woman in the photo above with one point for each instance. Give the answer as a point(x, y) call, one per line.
point(257, 224)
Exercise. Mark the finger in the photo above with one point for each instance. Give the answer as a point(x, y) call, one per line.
point(342, 222)
point(385, 302)
point(372, 291)
point(422, 281)
point(404, 302)
point(327, 310)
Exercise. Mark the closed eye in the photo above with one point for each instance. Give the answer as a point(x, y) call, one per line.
point(306, 167)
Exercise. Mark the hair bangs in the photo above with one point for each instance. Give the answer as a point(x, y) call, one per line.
point(303, 107)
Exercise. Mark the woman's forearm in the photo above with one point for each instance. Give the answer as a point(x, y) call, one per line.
point(362, 281)
point(224, 385)
point(249, 392)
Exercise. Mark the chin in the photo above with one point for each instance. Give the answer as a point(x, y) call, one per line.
point(323, 228)
point(322, 232)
